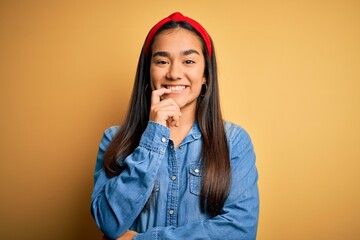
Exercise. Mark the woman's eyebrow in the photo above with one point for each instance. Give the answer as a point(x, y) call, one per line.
point(190, 51)
point(167, 54)
point(161, 54)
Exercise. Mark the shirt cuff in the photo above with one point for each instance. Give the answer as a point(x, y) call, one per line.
point(155, 137)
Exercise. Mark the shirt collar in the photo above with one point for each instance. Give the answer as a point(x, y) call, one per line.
point(193, 135)
point(195, 131)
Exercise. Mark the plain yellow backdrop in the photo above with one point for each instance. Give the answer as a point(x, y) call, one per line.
point(289, 73)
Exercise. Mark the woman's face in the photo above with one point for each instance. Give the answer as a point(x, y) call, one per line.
point(178, 63)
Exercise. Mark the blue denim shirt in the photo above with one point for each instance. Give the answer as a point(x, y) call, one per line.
point(171, 178)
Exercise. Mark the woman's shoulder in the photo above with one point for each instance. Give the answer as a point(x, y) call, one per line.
point(111, 132)
point(233, 129)
point(236, 134)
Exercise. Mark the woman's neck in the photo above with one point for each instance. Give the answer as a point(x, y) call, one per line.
point(187, 119)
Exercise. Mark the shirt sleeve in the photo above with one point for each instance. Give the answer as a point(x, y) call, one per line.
point(239, 216)
point(117, 201)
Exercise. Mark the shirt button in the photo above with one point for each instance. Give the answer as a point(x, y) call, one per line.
point(180, 147)
point(196, 170)
point(173, 178)
point(163, 139)
point(171, 212)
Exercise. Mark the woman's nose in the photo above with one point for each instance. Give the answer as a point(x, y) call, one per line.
point(175, 72)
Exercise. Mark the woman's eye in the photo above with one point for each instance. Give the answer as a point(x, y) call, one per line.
point(161, 62)
point(189, 62)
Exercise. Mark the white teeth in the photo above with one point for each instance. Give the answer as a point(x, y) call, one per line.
point(176, 88)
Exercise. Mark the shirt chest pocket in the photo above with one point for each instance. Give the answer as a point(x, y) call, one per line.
point(195, 176)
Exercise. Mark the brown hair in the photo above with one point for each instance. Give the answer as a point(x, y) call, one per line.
point(215, 153)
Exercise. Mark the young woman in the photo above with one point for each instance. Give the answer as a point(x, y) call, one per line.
point(175, 169)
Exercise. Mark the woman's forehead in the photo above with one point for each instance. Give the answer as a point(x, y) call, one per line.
point(176, 39)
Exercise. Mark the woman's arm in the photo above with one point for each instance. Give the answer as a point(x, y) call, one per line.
point(117, 201)
point(239, 216)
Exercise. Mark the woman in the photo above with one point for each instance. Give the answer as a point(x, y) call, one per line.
point(175, 169)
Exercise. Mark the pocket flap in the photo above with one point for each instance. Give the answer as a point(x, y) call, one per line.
point(195, 169)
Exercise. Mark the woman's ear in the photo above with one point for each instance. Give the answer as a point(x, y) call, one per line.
point(203, 80)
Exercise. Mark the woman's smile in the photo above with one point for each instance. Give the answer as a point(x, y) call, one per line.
point(176, 88)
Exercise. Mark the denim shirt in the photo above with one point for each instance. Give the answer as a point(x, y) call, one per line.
point(170, 178)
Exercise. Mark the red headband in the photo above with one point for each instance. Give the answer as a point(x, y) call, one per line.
point(178, 17)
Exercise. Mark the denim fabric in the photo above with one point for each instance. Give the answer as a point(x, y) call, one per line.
point(171, 178)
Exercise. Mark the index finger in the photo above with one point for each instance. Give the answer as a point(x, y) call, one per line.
point(156, 94)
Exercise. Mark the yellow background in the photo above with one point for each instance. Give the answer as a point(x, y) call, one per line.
point(289, 73)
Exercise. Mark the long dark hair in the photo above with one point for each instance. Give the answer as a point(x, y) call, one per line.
point(214, 152)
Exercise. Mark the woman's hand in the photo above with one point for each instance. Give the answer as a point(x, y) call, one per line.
point(128, 235)
point(165, 112)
